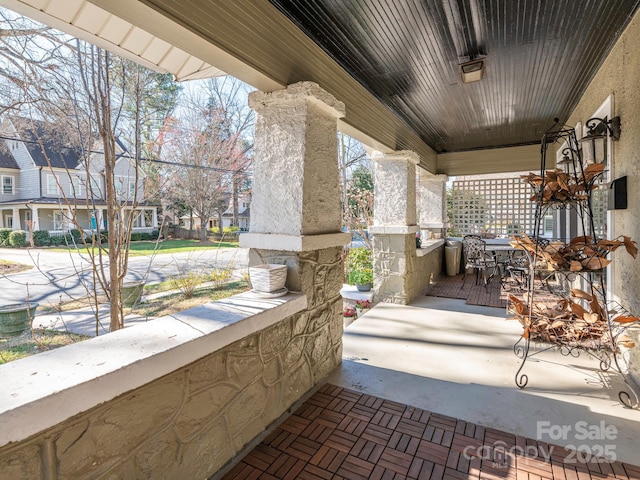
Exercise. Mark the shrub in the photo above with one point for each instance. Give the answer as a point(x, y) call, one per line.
point(76, 234)
point(18, 238)
point(55, 241)
point(145, 236)
point(360, 264)
point(187, 283)
point(230, 229)
point(155, 234)
point(219, 276)
point(41, 238)
point(4, 236)
point(136, 237)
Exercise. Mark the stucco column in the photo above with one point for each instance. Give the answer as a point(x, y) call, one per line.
point(1, 218)
point(35, 220)
point(431, 200)
point(143, 220)
point(295, 216)
point(394, 228)
point(16, 219)
point(154, 217)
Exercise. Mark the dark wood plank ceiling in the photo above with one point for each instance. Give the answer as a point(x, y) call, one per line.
point(540, 56)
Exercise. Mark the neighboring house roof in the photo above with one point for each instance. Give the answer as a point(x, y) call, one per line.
point(6, 159)
point(241, 213)
point(44, 144)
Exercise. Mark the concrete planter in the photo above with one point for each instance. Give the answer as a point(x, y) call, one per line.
point(268, 277)
point(16, 319)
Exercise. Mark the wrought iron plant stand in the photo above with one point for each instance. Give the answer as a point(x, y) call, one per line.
point(573, 320)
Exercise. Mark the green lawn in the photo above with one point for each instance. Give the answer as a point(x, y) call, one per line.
point(172, 246)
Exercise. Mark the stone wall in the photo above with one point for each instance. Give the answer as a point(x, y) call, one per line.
point(400, 274)
point(190, 423)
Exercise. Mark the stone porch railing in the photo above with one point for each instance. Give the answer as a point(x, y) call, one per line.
point(177, 397)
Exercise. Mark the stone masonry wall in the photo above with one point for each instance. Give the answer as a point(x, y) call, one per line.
point(401, 276)
point(191, 422)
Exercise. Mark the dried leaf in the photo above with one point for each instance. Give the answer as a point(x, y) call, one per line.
point(591, 317)
point(576, 292)
point(626, 319)
point(575, 266)
point(595, 263)
point(578, 310)
point(626, 341)
point(583, 240)
point(630, 245)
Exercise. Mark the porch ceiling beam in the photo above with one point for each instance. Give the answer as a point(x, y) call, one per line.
point(490, 160)
point(254, 42)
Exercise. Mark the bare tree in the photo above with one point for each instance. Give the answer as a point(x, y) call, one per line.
point(209, 144)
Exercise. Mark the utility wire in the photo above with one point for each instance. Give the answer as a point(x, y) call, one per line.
point(143, 159)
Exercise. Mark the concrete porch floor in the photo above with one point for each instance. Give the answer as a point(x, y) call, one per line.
point(457, 360)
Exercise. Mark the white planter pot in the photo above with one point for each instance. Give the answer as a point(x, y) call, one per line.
point(268, 277)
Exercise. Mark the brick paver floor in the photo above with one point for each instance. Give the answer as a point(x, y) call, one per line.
point(342, 434)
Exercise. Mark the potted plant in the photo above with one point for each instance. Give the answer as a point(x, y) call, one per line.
point(362, 306)
point(361, 268)
point(348, 316)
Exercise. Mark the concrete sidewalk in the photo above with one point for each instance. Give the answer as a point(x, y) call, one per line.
point(83, 321)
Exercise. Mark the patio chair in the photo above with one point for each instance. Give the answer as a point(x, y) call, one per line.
point(478, 259)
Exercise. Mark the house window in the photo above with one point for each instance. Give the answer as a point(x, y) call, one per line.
point(8, 220)
point(137, 219)
point(58, 221)
point(52, 185)
point(76, 187)
point(96, 190)
point(132, 189)
point(7, 185)
point(548, 225)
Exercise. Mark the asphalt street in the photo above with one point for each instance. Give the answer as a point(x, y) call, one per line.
point(61, 276)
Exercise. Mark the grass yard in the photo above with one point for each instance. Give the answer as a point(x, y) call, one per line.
point(28, 344)
point(7, 267)
point(177, 302)
point(170, 246)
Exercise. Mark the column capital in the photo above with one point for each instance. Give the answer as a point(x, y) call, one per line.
point(426, 176)
point(296, 93)
point(400, 155)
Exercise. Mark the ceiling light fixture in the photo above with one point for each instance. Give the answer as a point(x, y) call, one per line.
point(472, 71)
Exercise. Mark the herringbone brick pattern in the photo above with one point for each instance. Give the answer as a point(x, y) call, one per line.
point(341, 434)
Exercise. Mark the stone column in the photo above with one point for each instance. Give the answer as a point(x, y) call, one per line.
point(431, 200)
point(295, 216)
point(394, 228)
point(16, 219)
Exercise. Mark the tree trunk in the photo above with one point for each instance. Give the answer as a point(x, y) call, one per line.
point(234, 200)
point(220, 227)
point(203, 229)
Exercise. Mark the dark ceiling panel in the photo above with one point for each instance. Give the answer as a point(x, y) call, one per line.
point(540, 57)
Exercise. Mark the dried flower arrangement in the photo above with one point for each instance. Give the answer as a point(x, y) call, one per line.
point(579, 321)
point(562, 187)
point(581, 253)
